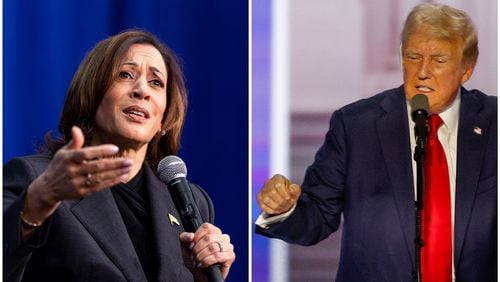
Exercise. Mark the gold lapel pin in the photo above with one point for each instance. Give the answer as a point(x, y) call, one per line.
point(173, 220)
point(478, 130)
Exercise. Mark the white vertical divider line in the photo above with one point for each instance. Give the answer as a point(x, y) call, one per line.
point(498, 114)
point(250, 138)
point(1, 108)
point(280, 119)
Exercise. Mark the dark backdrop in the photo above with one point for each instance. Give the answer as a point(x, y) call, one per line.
point(44, 41)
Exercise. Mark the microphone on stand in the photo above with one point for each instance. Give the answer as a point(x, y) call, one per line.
point(172, 171)
point(419, 114)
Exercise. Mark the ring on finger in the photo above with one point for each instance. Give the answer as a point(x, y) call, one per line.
point(220, 247)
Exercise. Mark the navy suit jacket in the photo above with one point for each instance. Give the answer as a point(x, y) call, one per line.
point(86, 239)
point(364, 171)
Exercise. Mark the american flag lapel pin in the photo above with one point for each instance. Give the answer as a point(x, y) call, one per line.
point(172, 219)
point(478, 130)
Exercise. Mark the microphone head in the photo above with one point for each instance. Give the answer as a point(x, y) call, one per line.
point(170, 168)
point(419, 105)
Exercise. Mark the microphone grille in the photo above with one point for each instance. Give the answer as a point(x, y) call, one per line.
point(170, 168)
point(420, 102)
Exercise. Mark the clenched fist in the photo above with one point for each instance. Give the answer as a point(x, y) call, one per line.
point(278, 195)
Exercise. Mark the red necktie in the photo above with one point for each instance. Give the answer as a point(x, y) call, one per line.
point(436, 224)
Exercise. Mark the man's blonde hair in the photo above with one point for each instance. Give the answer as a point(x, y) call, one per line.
point(443, 22)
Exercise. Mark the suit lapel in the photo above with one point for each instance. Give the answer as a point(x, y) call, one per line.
point(393, 133)
point(166, 231)
point(470, 153)
point(99, 214)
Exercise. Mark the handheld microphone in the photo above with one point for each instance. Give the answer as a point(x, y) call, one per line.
point(172, 171)
point(420, 114)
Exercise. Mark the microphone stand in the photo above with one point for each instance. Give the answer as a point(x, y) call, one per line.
point(419, 157)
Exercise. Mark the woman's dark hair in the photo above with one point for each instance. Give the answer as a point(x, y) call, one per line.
point(94, 77)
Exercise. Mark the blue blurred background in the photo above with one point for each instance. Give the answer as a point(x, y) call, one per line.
point(44, 42)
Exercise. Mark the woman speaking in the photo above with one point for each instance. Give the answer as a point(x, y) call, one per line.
point(91, 207)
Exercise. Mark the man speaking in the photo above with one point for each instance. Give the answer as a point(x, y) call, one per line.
point(365, 169)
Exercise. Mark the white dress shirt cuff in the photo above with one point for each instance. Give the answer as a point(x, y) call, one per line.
point(264, 219)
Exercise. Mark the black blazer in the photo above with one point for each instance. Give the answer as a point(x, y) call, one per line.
point(86, 239)
point(363, 171)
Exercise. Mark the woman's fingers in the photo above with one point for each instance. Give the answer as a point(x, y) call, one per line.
point(74, 172)
point(214, 251)
point(77, 139)
point(93, 153)
point(209, 246)
point(92, 182)
point(103, 169)
point(77, 172)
